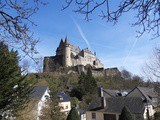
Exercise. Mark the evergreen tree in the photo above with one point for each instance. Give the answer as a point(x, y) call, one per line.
point(14, 88)
point(89, 72)
point(157, 116)
point(126, 114)
point(90, 83)
point(87, 83)
point(73, 115)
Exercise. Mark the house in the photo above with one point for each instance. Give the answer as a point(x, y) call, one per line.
point(39, 97)
point(65, 102)
point(82, 114)
point(110, 108)
point(149, 97)
point(140, 101)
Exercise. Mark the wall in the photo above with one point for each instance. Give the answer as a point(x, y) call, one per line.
point(83, 117)
point(67, 56)
point(64, 104)
point(42, 102)
point(151, 111)
point(99, 115)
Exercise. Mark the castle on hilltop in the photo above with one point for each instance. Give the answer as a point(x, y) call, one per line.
point(68, 55)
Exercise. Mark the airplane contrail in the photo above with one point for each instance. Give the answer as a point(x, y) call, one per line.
point(135, 42)
point(82, 33)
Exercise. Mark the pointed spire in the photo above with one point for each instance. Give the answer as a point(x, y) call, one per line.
point(66, 39)
point(95, 53)
point(61, 42)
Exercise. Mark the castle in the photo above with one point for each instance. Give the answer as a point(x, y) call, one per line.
point(68, 55)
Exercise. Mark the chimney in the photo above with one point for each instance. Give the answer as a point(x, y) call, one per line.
point(101, 96)
point(103, 102)
point(100, 91)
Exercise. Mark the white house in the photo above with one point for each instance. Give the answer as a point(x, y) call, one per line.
point(64, 102)
point(82, 114)
point(40, 94)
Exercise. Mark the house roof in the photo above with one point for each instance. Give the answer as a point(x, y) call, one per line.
point(95, 105)
point(148, 93)
point(112, 93)
point(115, 93)
point(80, 111)
point(65, 97)
point(116, 104)
point(38, 91)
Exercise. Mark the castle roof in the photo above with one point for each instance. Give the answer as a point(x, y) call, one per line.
point(86, 50)
point(61, 43)
point(66, 40)
point(75, 48)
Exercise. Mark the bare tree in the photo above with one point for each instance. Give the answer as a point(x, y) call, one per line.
point(147, 12)
point(15, 23)
point(152, 67)
point(39, 65)
point(126, 75)
point(25, 66)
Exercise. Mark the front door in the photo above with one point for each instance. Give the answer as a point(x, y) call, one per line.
point(109, 117)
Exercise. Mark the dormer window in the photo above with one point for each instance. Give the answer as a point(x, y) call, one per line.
point(61, 98)
point(47, 97)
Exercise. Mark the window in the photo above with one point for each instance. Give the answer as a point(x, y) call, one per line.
point(61, 108)
point(67, 107)
point(93, 115)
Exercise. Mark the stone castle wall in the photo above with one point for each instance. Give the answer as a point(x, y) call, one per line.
point(68, 55)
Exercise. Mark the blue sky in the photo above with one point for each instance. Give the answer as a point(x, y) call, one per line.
point(116, 46)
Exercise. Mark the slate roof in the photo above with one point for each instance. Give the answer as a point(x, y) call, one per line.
point(95, 105)
point(112, 93)
point(65, 98)
point(80, 111)
point(74, 48)
point(148, 93)
point(116, 104)
point(38, 92)
point(115, 93)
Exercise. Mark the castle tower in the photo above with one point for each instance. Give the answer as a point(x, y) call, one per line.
point(67, 54)
point(59, 50)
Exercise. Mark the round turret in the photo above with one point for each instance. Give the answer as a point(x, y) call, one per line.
point(67, 54)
